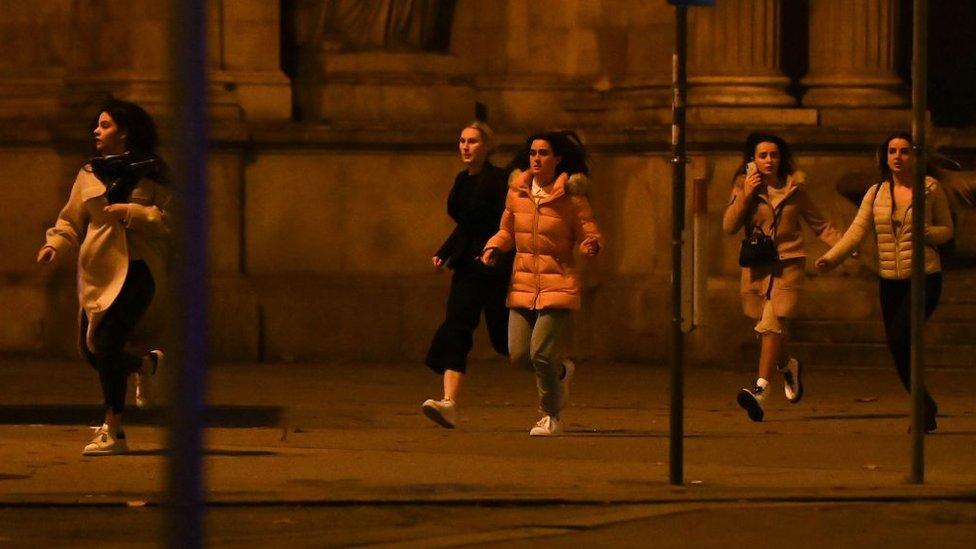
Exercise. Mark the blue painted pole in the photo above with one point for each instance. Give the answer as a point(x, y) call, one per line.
point(188, 326)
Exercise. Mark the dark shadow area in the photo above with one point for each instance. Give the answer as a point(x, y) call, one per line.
point(951, 58)
point(227, 416)
point(794, 48)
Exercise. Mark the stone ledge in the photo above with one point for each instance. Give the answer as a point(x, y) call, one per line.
point(751, 117)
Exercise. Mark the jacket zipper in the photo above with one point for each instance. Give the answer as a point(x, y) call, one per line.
point(535, 254)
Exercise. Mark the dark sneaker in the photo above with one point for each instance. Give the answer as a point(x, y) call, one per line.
point(793, 380)
point(751, 401)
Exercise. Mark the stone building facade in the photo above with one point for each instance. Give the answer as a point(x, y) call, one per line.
point(334, 126)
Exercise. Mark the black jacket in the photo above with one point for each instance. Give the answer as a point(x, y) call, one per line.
point(476, 204)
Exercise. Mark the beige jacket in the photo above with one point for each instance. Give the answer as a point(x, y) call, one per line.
point(895, 246)
point(107, 245)
point(795, 205)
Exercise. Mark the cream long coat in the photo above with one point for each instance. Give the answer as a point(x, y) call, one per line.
point(895, 245)
point(106, 244)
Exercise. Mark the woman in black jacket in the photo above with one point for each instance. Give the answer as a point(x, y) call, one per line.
point(476, 203)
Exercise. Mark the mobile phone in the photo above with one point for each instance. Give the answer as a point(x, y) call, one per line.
point(750, 168)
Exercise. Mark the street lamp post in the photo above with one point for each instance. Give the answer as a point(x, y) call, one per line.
point(919, 106)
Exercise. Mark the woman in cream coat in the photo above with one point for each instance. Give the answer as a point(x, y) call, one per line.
point(886, 210)
point(116, 216)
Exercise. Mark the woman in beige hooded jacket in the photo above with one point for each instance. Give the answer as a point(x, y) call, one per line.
point(886, 211)
point(770, 196)
point(116, 217)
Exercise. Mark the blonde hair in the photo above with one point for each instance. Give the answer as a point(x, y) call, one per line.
point(487, 135)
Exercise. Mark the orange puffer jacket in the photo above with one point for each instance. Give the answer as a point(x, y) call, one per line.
point(544, 236)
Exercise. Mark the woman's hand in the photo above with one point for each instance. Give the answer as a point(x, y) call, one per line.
point(824, 265)
point(590, 246)
point(46, 255)
point(118, 211)
point(751, 183)
point(490, 256)
point(438, 263)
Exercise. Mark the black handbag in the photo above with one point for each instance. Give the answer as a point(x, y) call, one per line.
point(759, 248)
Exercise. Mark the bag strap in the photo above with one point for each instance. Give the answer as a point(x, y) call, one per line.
point(777, 210)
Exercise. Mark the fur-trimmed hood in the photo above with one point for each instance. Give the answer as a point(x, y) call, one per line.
point(576, 184)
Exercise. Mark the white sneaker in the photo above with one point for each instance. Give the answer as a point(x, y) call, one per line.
point(751, 401)
point(146, 381)
point(793, 380)
point(547, 427)
point(106, 444)
point(441, 412)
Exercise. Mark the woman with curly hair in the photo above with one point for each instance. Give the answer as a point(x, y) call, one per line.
point(116, 217)
point(768, 200)
point(546, 215)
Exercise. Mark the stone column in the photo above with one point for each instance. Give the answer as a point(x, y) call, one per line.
point(246, 60)
point(852, 55)
point(734, 55)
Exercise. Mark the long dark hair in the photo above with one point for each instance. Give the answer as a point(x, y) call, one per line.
point(141, 139)
point(882, 155)
point(786, 167)
point(565, 144)
point(140, 129)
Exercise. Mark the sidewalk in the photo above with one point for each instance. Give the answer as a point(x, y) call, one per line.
point(342, 433)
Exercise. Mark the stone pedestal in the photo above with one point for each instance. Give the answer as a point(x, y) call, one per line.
point(852, 55)
point(734, 55)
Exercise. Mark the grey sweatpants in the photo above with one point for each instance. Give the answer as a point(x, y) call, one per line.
point(538, 338)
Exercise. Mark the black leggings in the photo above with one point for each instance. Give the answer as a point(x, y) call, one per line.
point(109, 357)
point(896, 309)
point(470, 294)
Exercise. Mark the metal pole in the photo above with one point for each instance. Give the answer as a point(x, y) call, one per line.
point(678, 159)
point(919, 100)
point(188, 326)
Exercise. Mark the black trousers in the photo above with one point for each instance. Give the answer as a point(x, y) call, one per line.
point(109, 357)
point(470, 294)
point(896, 310)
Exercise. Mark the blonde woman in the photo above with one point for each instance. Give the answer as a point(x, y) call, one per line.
point(475, 203)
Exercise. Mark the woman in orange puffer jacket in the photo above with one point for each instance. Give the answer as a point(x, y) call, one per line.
point(546, 214)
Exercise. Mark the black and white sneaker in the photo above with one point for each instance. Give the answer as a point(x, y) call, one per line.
point(751, 401)
point(793, 380)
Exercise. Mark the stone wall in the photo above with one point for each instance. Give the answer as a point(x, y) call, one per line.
point(331, 166)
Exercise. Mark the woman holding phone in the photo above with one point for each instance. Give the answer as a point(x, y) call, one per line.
point(769, 199)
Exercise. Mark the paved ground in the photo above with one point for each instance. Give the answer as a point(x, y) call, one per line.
point(316, 455)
